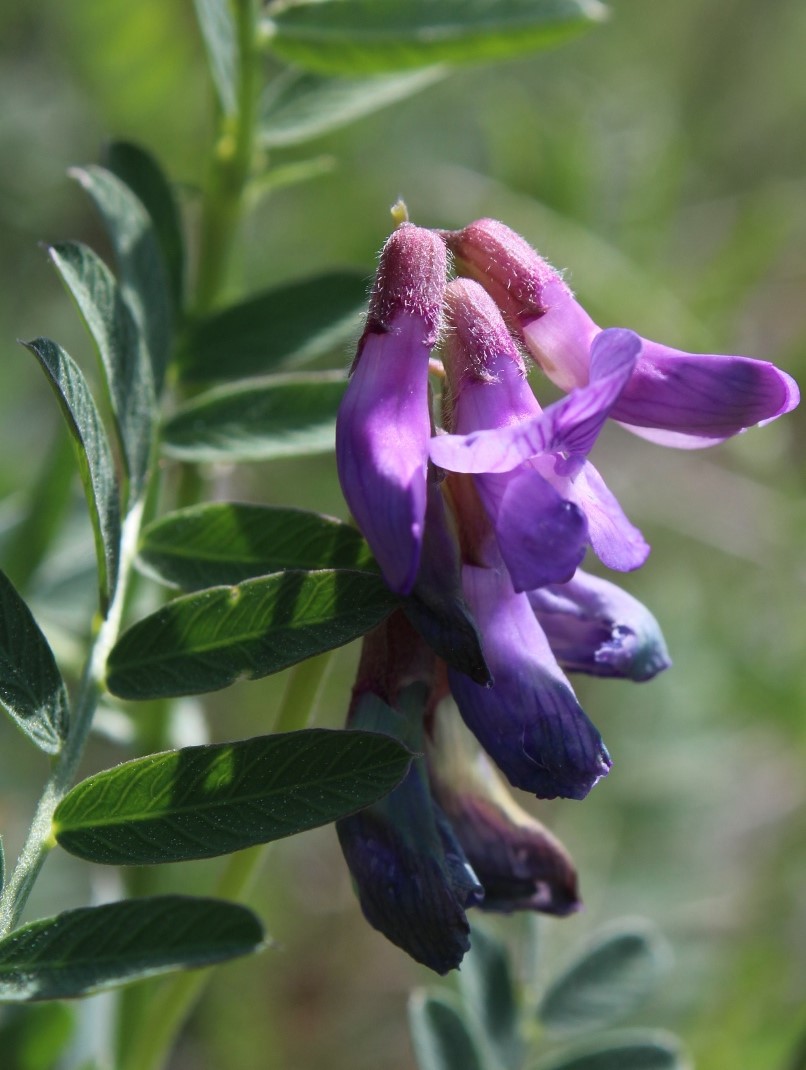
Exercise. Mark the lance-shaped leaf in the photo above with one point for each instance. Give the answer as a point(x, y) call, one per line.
point(144, 176)
point(143, 274)
point(227, 542)
point(93, 948)
point(306, 106)
point(280, 416)
point(439, 1035)
point(120, 347)
point(485, 981)
point(218, 30)
point(211, 800)
point(206, 641)
point(95, 462)
point(615, 973)
point(291, 324)
point(31, 687)
point(364, 36)
point(627, 1049)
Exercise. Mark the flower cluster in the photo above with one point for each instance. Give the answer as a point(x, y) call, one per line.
point(481, 525)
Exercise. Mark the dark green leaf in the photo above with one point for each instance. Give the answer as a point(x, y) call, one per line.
point(258, 420)
point(610, 978)
point(634, 1049)
point(120, 347)
point(33, 1038)
point(143, 273)
point(289, 325)
point(218, 31)
point(227, 542)
point(440, 1038)
point(31, 688)
point(96, 466)
point(364, 36)
point(307, 106)
point(88, 950)
point(144, 176)
point(206, 641)
point(205, 801)
point(485, 981)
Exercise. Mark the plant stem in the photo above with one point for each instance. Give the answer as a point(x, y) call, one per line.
point(40, 838)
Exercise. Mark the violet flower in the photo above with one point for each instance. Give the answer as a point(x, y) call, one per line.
point(384, 422)
point(687, 400)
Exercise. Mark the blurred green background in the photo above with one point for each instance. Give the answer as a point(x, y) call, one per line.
point(661, 159)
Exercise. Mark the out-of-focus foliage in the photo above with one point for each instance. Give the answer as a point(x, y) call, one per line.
point(659, 158)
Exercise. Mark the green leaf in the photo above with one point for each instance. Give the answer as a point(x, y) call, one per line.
point(292, 324)
point(258, 420)
point(31, 687)
point(218, 30)
point(485, 981)
point(629, 1049)
point(608, 980)
point(440, 1038)
point(120, 347)
point(144, 176)
point(365, 36)
point(206, 801)
point(227, 542)
point(94, 948)
point(206, 641)
point(143, 273)
point(306, 106)
point(33, 1038)
point(95, 463)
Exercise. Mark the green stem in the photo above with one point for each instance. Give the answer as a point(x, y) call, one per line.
point(40, 838)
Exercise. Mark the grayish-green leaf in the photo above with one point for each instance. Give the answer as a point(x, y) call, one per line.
point(204, 801)
point(286, 326)
point(628, 1049)
point(485, 981)
point(143, 274)
point(218, 30)
point(31, 687)
point(206, 641)
point(227, 542)
point(258, 420)
point(306, 106)
point(120, 347)
point(144, 176)
point(611, 977)
point(94, 948)
point(2, 866)
point(95, 462)
point(34, 1038)
point(439, 1036)
point(356, 37)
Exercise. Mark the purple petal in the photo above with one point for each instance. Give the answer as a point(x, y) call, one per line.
point(382, 435)
point(615, 541)
point(529, 721)
point(595, 627)
point(560, 339)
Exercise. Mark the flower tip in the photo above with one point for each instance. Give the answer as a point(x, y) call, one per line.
point(399, 212)
point(791, 398)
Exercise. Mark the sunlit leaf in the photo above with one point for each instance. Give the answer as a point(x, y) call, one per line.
point(364, 36)
point(307, 106)
point(227, 542)
point(143, 273)
point(93, 948)
point(609, 979)
point(633, 1049)
point(439, 1035)
point(95, 462)
point(120, 347)
point(485, 981)
point(211, 800)
point(218, 30)
point(289, 325)
point(258, 420)
point(206, 641)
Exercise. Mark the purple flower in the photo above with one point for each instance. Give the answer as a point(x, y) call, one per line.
point(687, 400)
point(529, 721)
point(384, 421)
point(545, 500)
point(595, 627)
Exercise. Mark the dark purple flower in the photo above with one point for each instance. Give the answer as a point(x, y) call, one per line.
point(529, 721)
point(688, 400)
point(595, 627)
point(384, 422)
